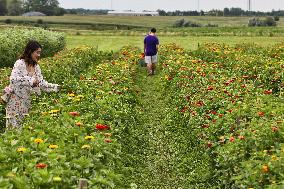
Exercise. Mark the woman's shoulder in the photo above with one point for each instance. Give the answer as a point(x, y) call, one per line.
point(20, 62)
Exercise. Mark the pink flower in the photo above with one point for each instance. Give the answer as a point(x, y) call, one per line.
point(8, 89)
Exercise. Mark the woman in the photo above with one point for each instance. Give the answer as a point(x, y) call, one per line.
point(26, 78)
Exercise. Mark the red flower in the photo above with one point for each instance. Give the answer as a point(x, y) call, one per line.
point(41, 165)
point(108, 140)
point(267, 92)
point(184, 109)
point(74, 114)
point(199, 103)
point(209, 144)
point(260, 114)
point(210, 88)
point(213, 112)
point(274, 129)
point(241, 137)
point(232, 139)
point(102, 127)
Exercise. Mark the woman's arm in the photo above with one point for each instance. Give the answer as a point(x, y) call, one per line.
point(44, 85)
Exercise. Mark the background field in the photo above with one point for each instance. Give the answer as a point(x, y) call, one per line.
point(113, 32)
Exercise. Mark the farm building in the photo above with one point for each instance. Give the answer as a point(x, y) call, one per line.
point(133, 13)
point(33, 14)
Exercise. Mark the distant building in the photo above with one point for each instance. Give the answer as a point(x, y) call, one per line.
point(33, 14)
point(133, 13)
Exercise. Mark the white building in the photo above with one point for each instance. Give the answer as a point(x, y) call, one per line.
point(33, 14)
point(133, 13)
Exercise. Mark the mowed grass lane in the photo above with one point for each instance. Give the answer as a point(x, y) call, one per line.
point(188, 42)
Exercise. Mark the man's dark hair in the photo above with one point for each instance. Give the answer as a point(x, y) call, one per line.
point(31, 47)
point(153, 30)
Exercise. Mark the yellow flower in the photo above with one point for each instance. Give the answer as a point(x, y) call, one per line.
point(86, 146)
point(21, 149)
point(38, 140)
point(53, 111)
point(57, 179)
point(44, 113)
point(52, 146)
point(10, 174)
point(71, 94)
point(89, 137)
point(274, 158)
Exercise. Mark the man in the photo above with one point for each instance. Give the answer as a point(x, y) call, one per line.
point(151, 43)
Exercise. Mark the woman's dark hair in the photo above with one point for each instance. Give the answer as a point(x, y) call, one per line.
point(31, 47)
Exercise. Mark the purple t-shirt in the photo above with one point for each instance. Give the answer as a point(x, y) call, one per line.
point(151, 43)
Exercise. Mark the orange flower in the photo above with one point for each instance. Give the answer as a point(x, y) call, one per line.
point(260, 114)
point(265, 169)
point(108, 140)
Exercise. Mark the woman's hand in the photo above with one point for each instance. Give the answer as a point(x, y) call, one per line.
point(35, 83)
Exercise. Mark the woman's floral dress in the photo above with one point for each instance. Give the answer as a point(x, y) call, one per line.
point(21, 82)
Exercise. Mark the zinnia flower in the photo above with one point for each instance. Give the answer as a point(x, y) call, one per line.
point(54, 111)
point(21, 149)
point(52, 146)
point(41, 165)
point(108, 140)
point(89, 137)
point(38, 140)
point(102, 127)
point(86, 146)
point(265, 169)
point(56, 179)
point(71, 94)
point(74, 114)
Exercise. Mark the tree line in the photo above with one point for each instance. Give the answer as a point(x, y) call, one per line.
point(225, 12)
point(51, 8)
point(18, 7)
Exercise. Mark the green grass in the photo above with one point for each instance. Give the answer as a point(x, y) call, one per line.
point(140, 21)
point(188, 42)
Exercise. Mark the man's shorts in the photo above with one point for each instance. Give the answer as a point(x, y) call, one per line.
point(151, 59)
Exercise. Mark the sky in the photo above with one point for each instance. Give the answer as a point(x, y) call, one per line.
point(171, 5)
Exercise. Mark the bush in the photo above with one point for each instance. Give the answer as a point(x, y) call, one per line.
point(8, 21)
point(179, 23)
point(184, 23)
point(268, 21)
point(276, 18)
point(39, 21)
point(14, 40)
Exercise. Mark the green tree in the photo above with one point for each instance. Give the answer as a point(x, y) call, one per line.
point(226, 11)
point(15, 7)
point(3, 7)
point(48, 7)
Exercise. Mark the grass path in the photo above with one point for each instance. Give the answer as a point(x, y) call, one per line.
point(161, 157)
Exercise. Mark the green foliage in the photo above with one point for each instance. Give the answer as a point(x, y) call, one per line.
point(14, 41)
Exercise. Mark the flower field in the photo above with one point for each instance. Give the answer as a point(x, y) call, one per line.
point(210, 118)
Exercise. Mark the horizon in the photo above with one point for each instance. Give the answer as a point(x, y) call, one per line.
point(168, 5)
